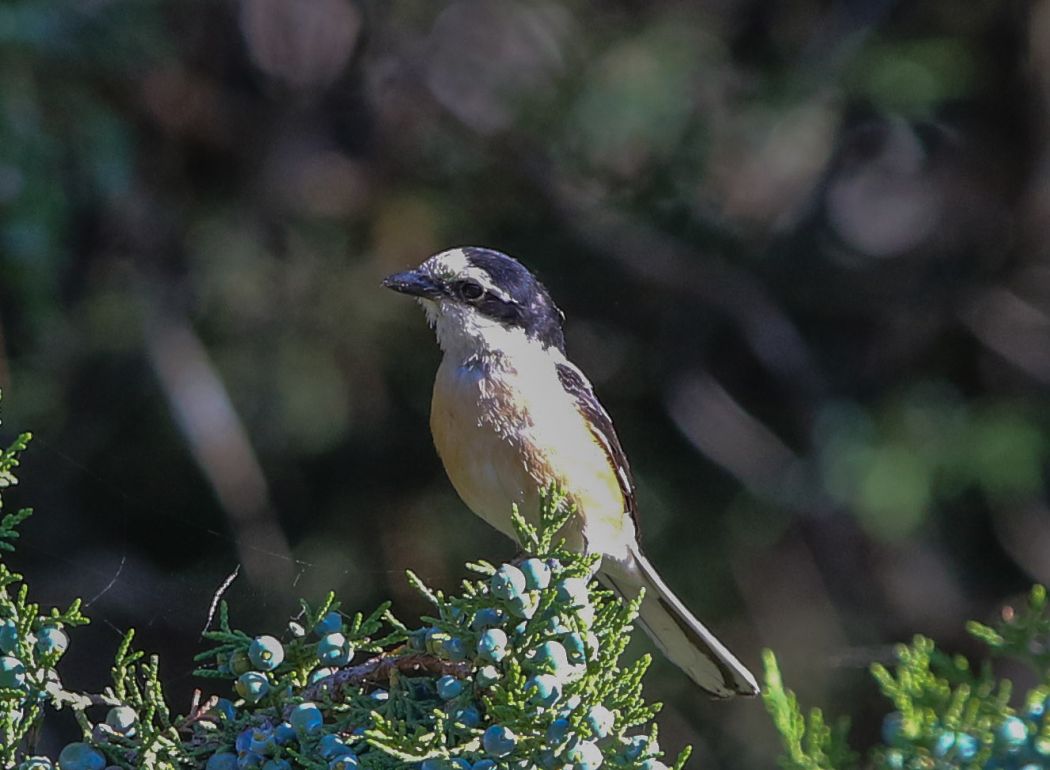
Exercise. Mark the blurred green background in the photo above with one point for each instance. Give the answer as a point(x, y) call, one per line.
point(801, 247)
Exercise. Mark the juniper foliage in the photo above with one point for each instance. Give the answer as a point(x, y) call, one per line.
point(521, 668)
point(946, 712)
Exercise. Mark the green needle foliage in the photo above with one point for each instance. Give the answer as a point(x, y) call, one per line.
point(946, 714)
point(521, 669)
point(1023, 635)
point(810, 744)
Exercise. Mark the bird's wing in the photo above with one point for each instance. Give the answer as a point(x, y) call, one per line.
point(577, 386)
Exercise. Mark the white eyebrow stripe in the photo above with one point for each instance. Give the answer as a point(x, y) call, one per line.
point(485, 280)
point(454, 264)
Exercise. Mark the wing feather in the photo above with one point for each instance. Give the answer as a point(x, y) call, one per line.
point(577, 386)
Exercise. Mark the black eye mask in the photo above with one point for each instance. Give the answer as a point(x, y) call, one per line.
point(529, 306)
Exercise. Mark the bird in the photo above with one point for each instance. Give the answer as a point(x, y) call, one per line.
point(512, 416)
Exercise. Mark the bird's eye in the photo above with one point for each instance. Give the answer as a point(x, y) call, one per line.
point(469, 290)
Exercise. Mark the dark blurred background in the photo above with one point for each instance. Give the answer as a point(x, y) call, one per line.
point(801, 247)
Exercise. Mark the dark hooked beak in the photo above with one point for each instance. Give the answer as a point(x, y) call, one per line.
point(414, 283)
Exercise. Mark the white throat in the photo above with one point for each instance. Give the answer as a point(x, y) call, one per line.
point(465, 335)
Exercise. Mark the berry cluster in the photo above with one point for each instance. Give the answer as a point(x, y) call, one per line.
point(533, 636)
point(266, 731)
point(520, 671)
point(1016, 743)
point(300, 735)
point(1023, 742)
point(948, 714)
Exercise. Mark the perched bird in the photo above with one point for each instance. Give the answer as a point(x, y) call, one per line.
point(511, 415)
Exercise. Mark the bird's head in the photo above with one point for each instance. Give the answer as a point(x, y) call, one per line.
point(479, 300)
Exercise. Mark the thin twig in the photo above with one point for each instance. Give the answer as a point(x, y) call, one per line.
point(199, 712)
point(379, 669)
point(218, 597)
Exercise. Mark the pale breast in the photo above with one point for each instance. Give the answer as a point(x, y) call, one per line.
point(504, 436)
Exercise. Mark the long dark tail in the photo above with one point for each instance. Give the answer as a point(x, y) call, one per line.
point(680, 636)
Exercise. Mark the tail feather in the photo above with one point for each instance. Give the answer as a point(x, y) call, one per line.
point(680, 636)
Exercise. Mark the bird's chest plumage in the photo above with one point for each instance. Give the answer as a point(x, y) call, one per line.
point(505, 433)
